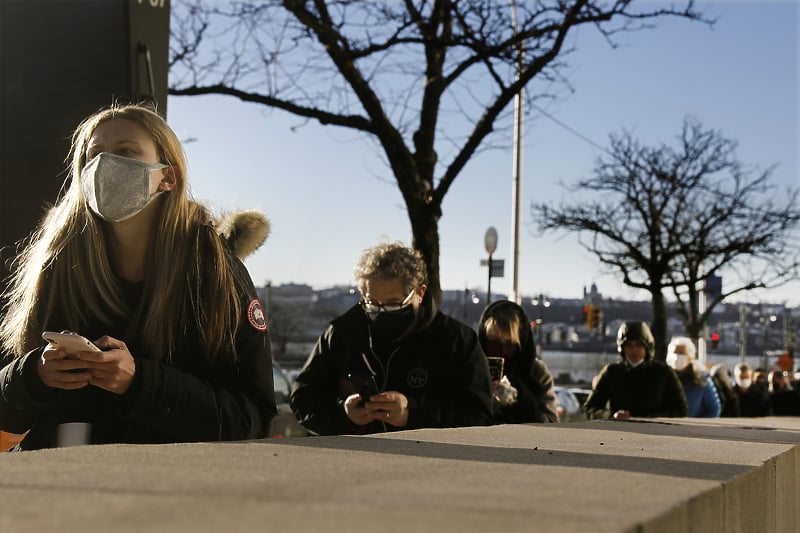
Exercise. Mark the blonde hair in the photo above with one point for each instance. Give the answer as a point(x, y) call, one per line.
point(687, 343)
point(505, 323)
point(64, 272)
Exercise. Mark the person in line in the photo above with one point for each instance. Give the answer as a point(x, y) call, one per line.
point(638, 385)
point(393, 361)
point(753, 401)
point(701, 394)
point(783, 400)
point(128, 260)
point(525, 393)
point(728, 397)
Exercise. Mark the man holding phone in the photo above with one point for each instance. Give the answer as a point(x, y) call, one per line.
point(393, 361)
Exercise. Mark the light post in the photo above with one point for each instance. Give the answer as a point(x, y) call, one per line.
point(743, 311)
point(469, 296)
point(767, 319)
point(516, 183)
point(540, 303)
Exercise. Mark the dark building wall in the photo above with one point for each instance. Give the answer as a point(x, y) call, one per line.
point(61, 60)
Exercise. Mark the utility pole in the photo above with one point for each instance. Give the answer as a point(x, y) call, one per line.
point(517, 174)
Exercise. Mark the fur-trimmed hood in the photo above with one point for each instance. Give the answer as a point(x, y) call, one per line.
point(244, 231)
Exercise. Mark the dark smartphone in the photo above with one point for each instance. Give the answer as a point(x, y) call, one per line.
point(365, 386)
point(496, 367)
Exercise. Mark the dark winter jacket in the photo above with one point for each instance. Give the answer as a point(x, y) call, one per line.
point(188, 398)
point(439, 367)
point(536, 397)
point(650, 389)
point(752, 402)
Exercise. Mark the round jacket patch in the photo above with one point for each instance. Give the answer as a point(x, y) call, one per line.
point(255, 315)
point(417, 378)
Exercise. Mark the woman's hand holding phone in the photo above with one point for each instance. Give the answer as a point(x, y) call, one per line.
point(60, 366)
point(107, 364)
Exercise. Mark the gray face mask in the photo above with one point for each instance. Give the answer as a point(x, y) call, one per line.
point(117, 187)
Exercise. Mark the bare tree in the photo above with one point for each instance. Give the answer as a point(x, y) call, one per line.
point(670, 218)
point(427, 80)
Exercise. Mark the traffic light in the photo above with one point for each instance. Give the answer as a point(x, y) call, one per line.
point(597, 317)
point(587, 315)
point(714, 341)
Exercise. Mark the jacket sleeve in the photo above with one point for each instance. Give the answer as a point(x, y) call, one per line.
point(23, 397)
point(227, 398)
point(673, 402)
point(710, 400)
point(536, 397)
point(546, 394)
point(467, 401)
point(596, 406)
point(315, 398)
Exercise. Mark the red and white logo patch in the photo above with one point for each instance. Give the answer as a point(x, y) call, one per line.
point(255, 315)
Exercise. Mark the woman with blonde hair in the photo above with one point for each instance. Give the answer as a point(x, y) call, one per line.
point(126, 258)
point(525, 392)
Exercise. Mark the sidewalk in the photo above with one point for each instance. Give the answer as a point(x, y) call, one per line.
point(603, 476)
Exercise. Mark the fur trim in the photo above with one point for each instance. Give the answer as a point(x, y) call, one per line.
point(244, 231)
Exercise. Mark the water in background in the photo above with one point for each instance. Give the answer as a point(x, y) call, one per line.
point(582, 367)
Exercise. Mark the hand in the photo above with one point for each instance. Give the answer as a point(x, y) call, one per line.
point(622, 415)
point(113, 368)
point(359, 414)
point(390, 407)
point(58, 372)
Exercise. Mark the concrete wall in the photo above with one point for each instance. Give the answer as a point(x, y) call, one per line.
point(665, 475)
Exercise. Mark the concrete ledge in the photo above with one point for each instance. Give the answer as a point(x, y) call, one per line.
point(665, 475)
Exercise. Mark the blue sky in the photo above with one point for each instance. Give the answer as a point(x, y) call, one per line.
point(328, 194)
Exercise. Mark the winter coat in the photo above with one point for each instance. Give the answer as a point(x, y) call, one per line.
point(187, 398)
point(439, 367)
point(701, 393)
point(752, 402)
point(536, 397)
point(650, 389)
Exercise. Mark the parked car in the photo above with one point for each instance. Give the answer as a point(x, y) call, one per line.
point(580, 394)
point(568, 407)
point(284, 424)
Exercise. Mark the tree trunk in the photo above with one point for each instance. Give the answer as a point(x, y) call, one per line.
point(659, 325)
point(425, 233)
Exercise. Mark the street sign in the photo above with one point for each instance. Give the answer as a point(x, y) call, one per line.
point(490, 240)
point(498, 267)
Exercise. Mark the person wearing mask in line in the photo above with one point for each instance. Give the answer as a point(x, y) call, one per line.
point(783, 400)
point(393, 361)
point(701, 394)
point(525, 392)
point(752, 400)
point(126, 259)
point(638, 385)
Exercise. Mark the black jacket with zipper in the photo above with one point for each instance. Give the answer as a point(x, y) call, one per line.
point(186, 399)
point(439, 367)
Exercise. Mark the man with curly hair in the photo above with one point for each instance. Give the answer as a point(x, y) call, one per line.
point(393, 361)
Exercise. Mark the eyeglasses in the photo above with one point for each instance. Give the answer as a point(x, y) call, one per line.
point(375, 308)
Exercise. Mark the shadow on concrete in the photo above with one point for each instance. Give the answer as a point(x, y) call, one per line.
point(525, 456)
point(694, 428)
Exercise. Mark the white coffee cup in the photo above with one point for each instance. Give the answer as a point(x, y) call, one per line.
point(74, 434)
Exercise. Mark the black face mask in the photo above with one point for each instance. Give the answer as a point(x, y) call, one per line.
point(389, 325)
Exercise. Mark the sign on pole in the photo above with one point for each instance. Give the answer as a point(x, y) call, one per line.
point(490, 240)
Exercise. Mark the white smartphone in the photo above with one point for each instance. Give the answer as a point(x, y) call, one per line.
point(70, 342)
